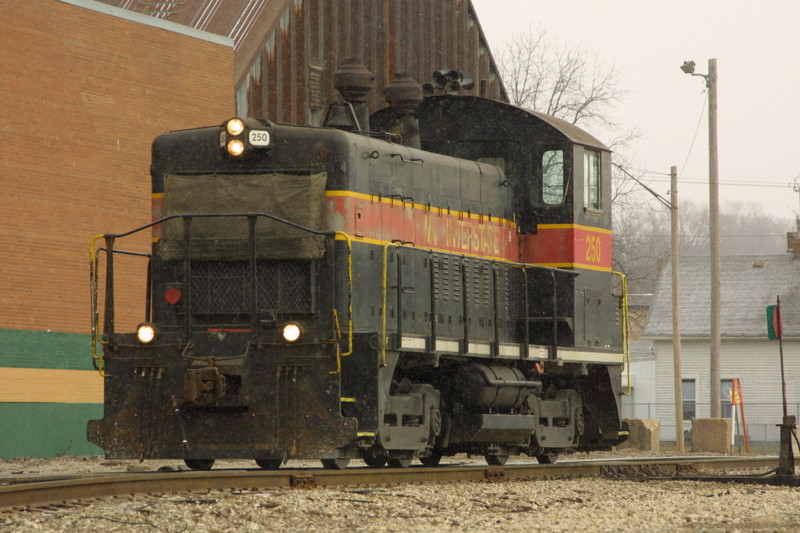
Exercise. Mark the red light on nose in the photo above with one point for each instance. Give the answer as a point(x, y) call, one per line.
point(172, 295)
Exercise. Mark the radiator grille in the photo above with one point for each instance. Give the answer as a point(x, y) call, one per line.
point(223, 287)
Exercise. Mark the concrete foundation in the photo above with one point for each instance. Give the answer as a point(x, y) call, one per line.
point(645, 434)
point(712, 435)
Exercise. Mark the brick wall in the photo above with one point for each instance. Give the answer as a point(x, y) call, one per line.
point(82, 95)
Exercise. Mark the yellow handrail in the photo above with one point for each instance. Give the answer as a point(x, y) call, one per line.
point(345, 237)
point(93, 274)
point(338, 358)
point(625, 346)
point(384, 288)
point(349, 242)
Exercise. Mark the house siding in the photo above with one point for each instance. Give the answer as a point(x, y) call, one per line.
point(642, 400)
point(755, 362)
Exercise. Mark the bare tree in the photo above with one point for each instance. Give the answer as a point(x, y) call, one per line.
point(562, 81)
point(642, 240)
point(639, 246)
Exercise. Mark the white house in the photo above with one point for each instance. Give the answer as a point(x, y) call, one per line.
point(748, 285)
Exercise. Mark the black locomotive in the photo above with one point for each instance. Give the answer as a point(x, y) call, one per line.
point(429, 280)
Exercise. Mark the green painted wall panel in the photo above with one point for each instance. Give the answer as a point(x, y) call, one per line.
point(46, 429)
point(45, 349)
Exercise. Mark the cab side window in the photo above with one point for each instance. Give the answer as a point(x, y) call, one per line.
point(552, 177)
point(591, 180)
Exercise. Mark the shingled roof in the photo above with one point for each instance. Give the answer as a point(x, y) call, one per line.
point(748, 285)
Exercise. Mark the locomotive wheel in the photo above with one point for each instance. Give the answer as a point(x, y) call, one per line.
point(547, 459)
point(374, 458)
point(269, 464)
point(199, 464)
point(496, 459)
point(339, 463)
point(432, 459)
point(400, 462)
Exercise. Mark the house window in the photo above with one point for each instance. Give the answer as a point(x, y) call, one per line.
point(689, 399)
point(726, 386)
point(591, 180)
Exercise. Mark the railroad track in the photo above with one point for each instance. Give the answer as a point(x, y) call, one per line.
point(35, 491)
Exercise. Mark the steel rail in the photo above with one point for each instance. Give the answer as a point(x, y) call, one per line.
point(24, 491)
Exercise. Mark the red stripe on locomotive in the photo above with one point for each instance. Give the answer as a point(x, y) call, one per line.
point(388, 220)
point(568, 245)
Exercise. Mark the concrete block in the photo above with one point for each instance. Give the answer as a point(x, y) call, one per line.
point(712, 435)
point(645, 434)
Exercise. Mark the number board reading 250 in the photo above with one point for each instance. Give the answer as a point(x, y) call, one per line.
point(259, 138)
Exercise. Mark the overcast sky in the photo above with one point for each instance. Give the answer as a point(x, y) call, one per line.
point(757, 47)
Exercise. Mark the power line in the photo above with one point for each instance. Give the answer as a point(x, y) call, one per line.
point(697, 129)
point(730, 183)
point(666, 236)
point(651, 175)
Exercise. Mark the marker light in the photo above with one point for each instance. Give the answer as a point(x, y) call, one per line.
point(291, 332)
point(235, 147)
point(145, 333)
point(172, 295)
point(235, 126)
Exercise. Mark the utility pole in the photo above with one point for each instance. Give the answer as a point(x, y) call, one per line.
point(713, 210)
point(676, 308)
point(672, 205)
point(713, 203)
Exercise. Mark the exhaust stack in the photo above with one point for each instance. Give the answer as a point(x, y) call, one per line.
point(354, 82)
point(404, 94)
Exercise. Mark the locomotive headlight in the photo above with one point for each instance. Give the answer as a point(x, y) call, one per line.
point(235, 147)
point(291, 332)
point(235, 126)
point(146, 333)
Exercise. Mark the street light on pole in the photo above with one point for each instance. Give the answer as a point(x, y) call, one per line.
point(713, 209)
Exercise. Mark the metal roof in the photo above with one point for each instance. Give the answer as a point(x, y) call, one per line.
point(110, 8)
point(235, 19)
point(454, 105)
point(571, 131)
point(748, 285)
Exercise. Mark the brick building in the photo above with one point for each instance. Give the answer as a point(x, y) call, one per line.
point(84, 88)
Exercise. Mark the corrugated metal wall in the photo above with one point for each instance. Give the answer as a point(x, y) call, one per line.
point(291, 77)
point(288, 50)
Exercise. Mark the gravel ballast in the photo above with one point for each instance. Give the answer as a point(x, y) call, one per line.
point(586, 504)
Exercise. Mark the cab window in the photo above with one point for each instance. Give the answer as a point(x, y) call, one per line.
point(553, 177)
point(591, 180)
